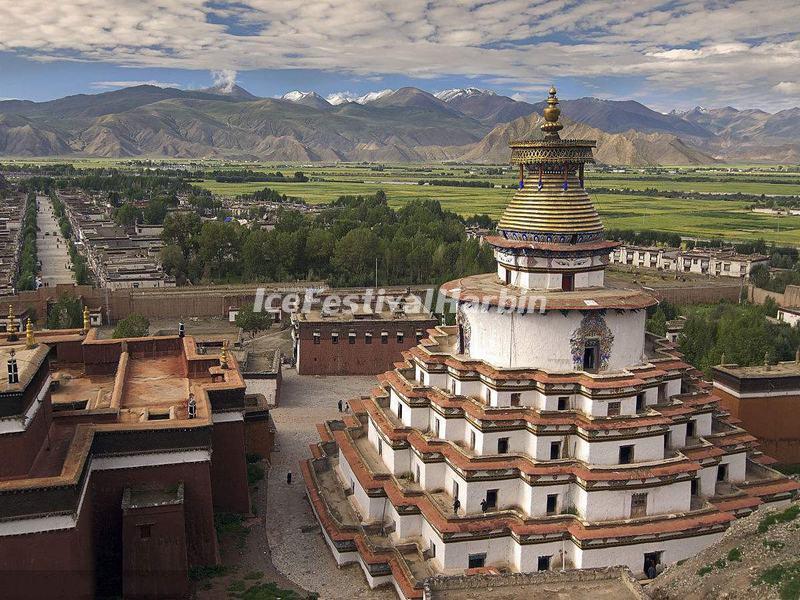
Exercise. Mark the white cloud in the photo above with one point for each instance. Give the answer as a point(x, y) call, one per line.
point(687, 47)
point(123, 84)
point(788, 88)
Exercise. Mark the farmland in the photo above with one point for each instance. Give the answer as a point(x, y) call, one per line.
point(699, 215)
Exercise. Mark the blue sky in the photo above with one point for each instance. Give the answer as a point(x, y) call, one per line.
point(674, 54)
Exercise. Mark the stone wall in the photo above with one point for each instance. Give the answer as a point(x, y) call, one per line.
point(790, 297)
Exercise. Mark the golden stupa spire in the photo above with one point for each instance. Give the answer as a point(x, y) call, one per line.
point(85, 319)
point(551, 126)
point(30, 341)
point(11, 325)
point(223, 356)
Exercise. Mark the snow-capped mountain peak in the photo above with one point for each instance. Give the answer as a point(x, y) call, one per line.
point(342, 97)
point(452, 94)
point(296, 96)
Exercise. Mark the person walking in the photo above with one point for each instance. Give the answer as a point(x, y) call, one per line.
point(456, 505)
point(289, 478)
point(484, 505)
point(340, 406)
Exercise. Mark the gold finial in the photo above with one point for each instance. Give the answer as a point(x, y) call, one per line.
point(551, 126)
point(223, 356)
point(30, 341)
point(11, 325)
point(85, 319)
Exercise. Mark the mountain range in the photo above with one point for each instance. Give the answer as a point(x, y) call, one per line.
point(404, 125)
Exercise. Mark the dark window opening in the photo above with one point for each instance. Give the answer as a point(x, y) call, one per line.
point(640, 403)
point(690, 428)
point(145, 531)
point(351, 337)
point(552, 503)
point(368, 337)
point(516, 398)
point(316, 337)
point(614, 409)
point(563, 402)
point(543, 564)
point(384, 337)
point(400, 336)
point(567, 282)
point(638, 505)
point(335, 338)
point(161, 416)
point(476, 561)
point(508, 277)
point(625, 455)
point(722, 472)
point(555, 450)
point(399, 410)
point(491, 498)
point(651, 558)
point(502, 446)
point(591, 355)
point(695, 487)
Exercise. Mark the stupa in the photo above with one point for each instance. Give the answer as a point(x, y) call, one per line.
point(546, 429)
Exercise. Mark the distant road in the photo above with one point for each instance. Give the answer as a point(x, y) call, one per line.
point(51, 246)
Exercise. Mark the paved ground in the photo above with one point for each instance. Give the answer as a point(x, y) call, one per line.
point(51, 248)
point(298, 549)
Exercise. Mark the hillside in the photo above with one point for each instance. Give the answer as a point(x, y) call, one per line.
point(626, 148)
point(404, 125)
point(758, 557)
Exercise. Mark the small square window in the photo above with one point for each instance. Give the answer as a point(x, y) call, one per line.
point(502, 445)
point(563, 402)
point(145, 531)
point(614, 409)
point(335, 337)
point(419, 335)
point(626, 455)
point(552, 503)
point(384, 337)
point(316, 337)
point(543, 564)
point(368, 337)
point(351, 337)
point(400, 337)
point(476, 561)
point(516, 398)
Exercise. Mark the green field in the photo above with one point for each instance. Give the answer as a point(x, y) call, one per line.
point(696, 217)
point(700, 217)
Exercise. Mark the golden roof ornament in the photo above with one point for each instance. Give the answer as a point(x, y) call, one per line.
point(85, 319)
point(11, 324)
point(551, 126)
point(30, 341)
point(223, 356)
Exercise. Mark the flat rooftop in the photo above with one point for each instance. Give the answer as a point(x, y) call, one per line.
point(613, 583)
point(782, 369)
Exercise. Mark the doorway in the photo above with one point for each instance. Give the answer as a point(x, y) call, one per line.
point(591, 355)
point(567, 282)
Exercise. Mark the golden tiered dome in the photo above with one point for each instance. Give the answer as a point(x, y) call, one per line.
point(551, 204)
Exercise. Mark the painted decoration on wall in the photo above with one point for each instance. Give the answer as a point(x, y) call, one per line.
point(464, 330)
point(592, 327)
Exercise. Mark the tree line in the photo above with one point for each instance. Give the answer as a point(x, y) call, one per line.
point(729, 333)
point(418, 243)
point(28, 259)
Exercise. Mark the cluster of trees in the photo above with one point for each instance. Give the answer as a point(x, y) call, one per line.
point(756, 199)
point(28, 260)
point(456, 183)
point(134, 325)
point(419, 243)
point(268, 195)
point(245, 175)
point(645, 237)
point(733, 333)
point(79, 265)
point(774, 281)
point(66, 313)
